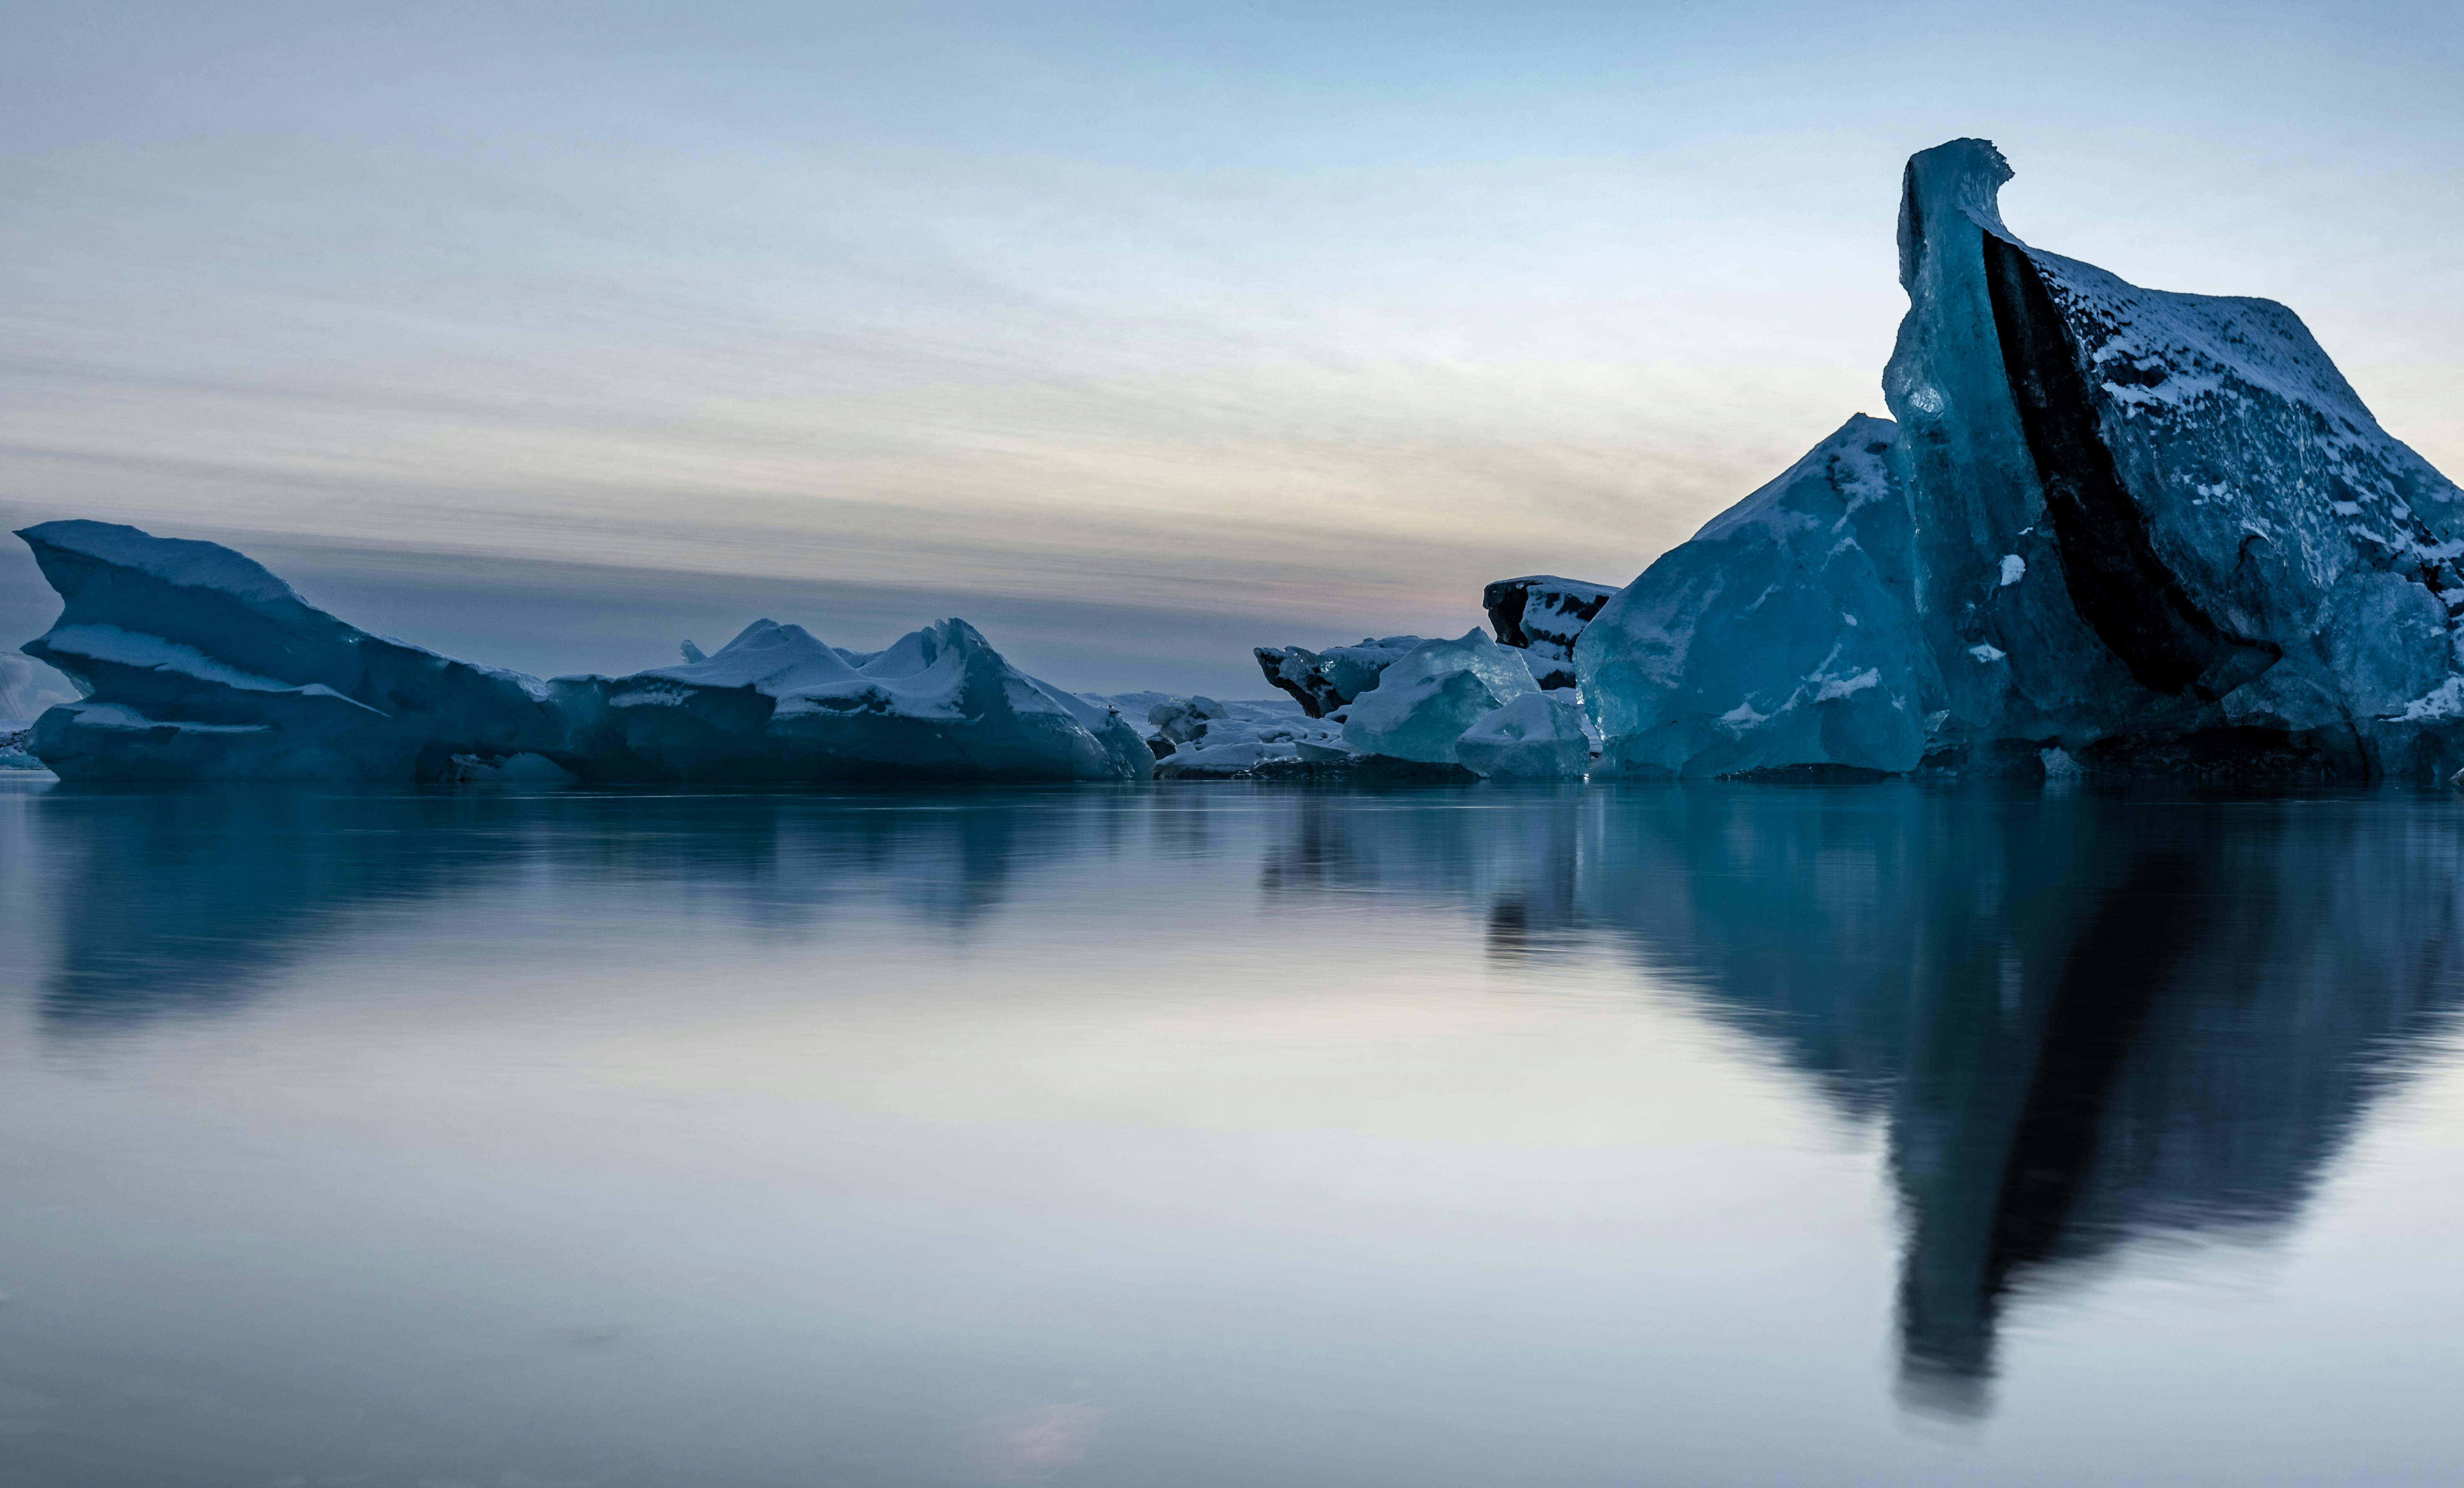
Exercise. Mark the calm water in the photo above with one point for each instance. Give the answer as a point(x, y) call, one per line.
point(1226, 1136)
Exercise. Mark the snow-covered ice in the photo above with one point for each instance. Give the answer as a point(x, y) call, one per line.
point(777, 704)
point(16, 734)
point(1215, 740)
point(1424, 702)
point(1783, 636)
point(2162, 515)
point(198, 663)
point(1544, 615)
point(1321, 682)
point(2135, 531)
point(2114, 530)
point(1537, 736)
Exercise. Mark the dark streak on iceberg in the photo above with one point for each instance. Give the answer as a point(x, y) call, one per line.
point(2128, 532)
point(2122, 587)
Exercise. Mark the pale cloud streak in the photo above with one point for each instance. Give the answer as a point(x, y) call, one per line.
point(1318, 318)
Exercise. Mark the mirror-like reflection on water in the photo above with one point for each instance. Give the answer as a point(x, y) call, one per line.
point(1227, 1136)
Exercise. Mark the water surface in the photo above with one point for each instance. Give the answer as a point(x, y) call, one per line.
point(1229, 1135)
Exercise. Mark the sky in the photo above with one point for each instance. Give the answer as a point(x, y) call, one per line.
point(1137, 335)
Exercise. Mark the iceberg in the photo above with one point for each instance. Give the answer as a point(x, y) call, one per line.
point(1423, 703)
point(1324, 681)
point(2116, 531)
point(1783, 638)
point(1534, 737)
point(1544, 615)
point(196, 663)
point(775, 704)
point(2158, 530)
point(1214, 741)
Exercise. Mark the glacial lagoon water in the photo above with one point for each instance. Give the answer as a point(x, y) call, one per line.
point(1230, 1135)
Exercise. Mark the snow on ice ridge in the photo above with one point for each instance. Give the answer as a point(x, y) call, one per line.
point(2148, 532)
point(1324, 681)
point(198, 663)
point(2217, 541)
point(1544, 615)
point(1424, 702)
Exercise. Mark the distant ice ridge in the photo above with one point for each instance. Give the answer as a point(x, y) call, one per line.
point(2144, 533)
point(1443, 710)
point(776, 704)
point(198, 663)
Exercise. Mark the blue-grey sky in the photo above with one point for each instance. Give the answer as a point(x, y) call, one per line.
point(1136, 334)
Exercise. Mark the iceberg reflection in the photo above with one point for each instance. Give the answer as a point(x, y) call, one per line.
point(172, 903)
point(2079, 1020)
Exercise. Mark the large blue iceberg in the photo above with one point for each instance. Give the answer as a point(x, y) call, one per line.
point(198, 663)
point(2132, 533)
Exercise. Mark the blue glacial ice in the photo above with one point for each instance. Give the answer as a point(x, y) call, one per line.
point(1537, 736)
point(2139, 532)
point(1782, 637)
point(197, 663)
point(776, 704)
point(2157, 528)
point(1424, 702)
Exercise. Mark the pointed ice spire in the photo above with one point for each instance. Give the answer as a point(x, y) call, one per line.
point(1964, 176)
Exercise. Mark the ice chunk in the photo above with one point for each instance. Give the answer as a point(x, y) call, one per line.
point(16, 735)
point(1544, 614)
point(1215, 740)
point(200, 664)
point(197, 663)
point(2214, 533)
point(1424, 701)
point(776, 704)
point(1784, 635)
point(1534, 737)
point(1324, 681)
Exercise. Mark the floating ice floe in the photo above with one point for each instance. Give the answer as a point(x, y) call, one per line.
point(1214, 740)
